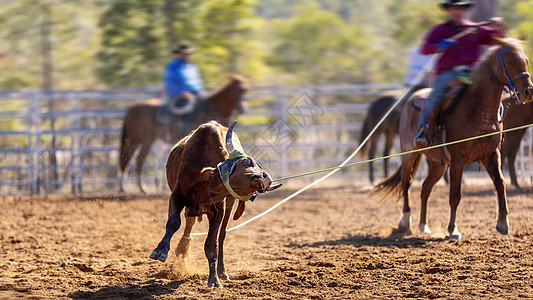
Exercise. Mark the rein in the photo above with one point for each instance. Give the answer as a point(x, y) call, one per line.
point(511, 87)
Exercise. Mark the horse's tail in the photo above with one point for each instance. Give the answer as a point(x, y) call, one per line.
point(392, 184)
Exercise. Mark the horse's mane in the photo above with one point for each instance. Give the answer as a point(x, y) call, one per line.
point(479, 72)
point(232, 78)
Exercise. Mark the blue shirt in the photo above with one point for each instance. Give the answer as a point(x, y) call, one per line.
point(181, 76)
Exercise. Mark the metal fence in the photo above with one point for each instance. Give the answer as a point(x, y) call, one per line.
point(67, 141)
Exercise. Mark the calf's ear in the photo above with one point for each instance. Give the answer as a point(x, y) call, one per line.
point(207, 172)
point(240, 210)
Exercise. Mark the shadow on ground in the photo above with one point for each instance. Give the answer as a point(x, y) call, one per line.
point(147, 290)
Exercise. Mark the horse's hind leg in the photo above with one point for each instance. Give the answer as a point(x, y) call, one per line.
point(492, 165)
point(511, 158)
point(371, 153)
point(141, 158)
point(409, 167)
point(389, 140)
point(435, 173)
point(126, 152)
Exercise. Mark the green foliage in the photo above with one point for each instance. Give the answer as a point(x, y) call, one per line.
point(523, 11)
point(130, 43)
point(229, 42)
point(126, 43)
point(72, 36)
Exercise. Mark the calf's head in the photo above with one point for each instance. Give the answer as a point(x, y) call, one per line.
point(242, 176)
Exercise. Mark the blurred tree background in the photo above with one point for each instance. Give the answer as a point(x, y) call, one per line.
point(75, 44)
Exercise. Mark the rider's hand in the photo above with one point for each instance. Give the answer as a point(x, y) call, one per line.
point(444, 44)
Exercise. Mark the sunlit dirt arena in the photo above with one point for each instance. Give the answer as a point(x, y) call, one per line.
point(331, 242)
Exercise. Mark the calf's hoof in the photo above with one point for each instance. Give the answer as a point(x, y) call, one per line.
point(160, 253)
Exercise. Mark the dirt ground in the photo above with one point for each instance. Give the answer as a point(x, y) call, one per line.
point(331, 242)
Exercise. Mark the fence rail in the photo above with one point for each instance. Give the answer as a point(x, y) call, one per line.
point(67, 141)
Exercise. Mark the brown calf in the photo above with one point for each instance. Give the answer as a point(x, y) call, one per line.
point(197, 167)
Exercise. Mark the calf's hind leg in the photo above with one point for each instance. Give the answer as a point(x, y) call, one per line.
point(173, 224)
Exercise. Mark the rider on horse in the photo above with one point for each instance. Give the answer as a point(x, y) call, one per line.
point(183, 83)
point(457, 55)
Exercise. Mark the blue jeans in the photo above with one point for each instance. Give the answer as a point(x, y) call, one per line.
point(439, 88)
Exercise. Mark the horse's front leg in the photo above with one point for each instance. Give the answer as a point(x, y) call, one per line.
point(492, 165)
point(456, 175)
point(210, 247)
point(173, 224)
point(221, 269)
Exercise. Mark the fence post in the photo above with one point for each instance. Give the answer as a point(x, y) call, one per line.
point(35, 98)
point(31, 110)
point(72, 117)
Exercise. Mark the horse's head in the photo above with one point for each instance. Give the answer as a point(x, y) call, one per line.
point(240, 86)
point(510, 66)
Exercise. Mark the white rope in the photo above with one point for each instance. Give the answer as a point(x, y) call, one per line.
point(418, 78)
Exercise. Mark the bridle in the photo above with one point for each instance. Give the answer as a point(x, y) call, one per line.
point(510, 87)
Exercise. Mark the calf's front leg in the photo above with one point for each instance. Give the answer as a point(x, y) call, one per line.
point(173, 224)
point(210, 246)
point(221, 269)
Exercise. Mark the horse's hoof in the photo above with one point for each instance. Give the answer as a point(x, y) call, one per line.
point(214, 284)
point(502, 229)
point(424, 228)
point(158, 255)
point(405, 223)
point(455, 235)
point(223, 276)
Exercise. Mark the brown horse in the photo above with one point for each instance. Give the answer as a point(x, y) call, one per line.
point(141, 129)
point(388, 129)
point(516, 115)
point(476, 113)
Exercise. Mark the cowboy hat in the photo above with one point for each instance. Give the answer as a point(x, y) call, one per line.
point(449, 3)
point(183, 49)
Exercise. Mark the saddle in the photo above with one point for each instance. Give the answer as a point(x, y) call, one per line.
point(435, 129)
point(168, 114)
